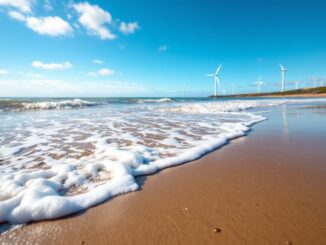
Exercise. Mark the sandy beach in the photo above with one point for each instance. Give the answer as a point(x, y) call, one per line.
point(162, 122)
point(265, 188)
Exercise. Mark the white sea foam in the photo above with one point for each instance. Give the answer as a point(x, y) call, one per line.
point(60, 163)
point(162, 100)
point(66, 104)
point(231, 106)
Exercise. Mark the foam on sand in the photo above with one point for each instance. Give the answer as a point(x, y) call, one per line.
point(60, 163)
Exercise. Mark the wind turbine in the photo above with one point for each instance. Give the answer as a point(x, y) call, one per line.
point(296, 84)
point(233, 88)
point(283, 70)
point(315, 81)
point(259, 83)
point(216, 79)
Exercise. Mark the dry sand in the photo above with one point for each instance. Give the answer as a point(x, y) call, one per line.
point(267, 188)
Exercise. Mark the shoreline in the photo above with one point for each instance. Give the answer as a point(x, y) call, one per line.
point(271, 197)
point(296, 95)
point(303, 93)
point(253, 96)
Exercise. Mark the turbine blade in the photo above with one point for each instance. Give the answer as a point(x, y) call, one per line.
point(283, 68)
point(210, 75)
point(217, 80)
point(218, 69)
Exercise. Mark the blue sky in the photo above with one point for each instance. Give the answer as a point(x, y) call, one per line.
point(154, 48)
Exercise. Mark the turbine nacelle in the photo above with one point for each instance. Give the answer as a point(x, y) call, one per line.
point(283, 68)
point(259, 81)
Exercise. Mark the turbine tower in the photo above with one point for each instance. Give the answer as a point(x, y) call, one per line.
point(216, 79)
point(315, 82)
point(296, 84)
point(259, 83)
point(283, 70)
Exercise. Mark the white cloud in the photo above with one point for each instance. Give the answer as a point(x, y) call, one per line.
point(52, 66)
point(163, 48)
point(4, 72)
point(98, 62)
point(24, 6)
point(52, 25)
point(128, 28)
point(94, 19)
point(17, 15)
point(105, 72)
point(101, 72)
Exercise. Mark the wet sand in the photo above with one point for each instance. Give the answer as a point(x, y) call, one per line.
point(266, 188)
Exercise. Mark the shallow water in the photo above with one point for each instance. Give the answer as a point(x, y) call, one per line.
point(60, 156)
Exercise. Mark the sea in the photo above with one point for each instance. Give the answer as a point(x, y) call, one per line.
point(59, 156)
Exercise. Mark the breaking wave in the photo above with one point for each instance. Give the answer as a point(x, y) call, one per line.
point(14, 105)
point(60, 163)
point(162, 100)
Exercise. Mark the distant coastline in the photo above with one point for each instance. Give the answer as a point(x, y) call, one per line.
point(307, 92)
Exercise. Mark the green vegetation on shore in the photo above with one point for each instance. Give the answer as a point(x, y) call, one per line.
point(319, 90)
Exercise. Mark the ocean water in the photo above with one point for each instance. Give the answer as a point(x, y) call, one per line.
point(60, 156)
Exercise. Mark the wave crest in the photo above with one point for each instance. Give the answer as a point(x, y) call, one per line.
point(162, 100)
point(46, 105)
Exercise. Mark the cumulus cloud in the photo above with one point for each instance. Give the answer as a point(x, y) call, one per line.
point(52, 66)
point(105, 72)
point(52, 25)
point(4, 72)
point(17, 15)
point(24, 6)
point(128, 28)
point(163, 48)
point(98, 62)
point(94, 19)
